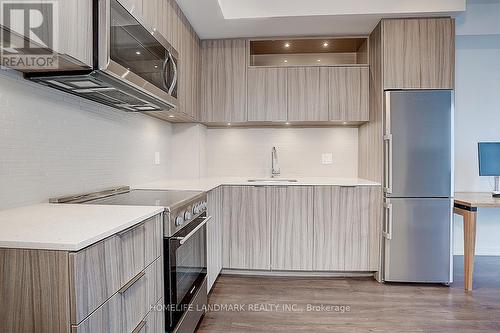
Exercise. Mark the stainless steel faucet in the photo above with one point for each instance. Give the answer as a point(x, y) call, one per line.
point(275, 168)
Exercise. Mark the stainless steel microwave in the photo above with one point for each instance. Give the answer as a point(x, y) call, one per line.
point(135, 68)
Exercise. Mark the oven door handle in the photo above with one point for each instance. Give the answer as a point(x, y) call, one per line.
point(184, 239)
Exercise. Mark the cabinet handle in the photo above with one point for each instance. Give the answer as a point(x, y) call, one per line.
point(131, 282)
point(139, 327)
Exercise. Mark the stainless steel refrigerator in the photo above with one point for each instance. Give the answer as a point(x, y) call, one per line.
point(418, 186)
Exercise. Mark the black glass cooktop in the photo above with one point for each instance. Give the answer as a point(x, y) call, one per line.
point(167, 199)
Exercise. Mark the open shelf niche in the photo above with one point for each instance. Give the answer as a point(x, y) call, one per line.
point(328, 51)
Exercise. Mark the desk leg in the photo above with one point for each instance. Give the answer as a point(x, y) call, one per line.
point(469, 247)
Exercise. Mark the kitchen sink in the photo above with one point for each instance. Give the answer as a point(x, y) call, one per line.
point(272, 180)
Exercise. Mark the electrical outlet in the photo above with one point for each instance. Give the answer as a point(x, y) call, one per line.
point(327, 158)
point(157, 158)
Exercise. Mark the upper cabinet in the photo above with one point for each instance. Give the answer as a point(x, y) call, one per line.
point(267, 95)
point(418, 53)
point(301, 81)
point(224, 81)
point(75, 30)
point(348, 94)
point(307, 93)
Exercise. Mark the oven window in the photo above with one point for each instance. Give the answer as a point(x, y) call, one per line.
point(134, 47)
point(190, 264)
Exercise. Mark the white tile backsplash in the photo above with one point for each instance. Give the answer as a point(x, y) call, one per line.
point(241, 152)
point(54, 144)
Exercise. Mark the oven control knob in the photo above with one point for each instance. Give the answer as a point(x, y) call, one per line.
point(187, 215)
point(196, 209)
point(179, 220)
point(203, 205)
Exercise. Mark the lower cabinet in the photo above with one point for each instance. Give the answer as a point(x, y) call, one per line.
point(292, 227)
point(214, 236)
point(246, 228)
point(110, 286)
point(347, 226)
point(132, 309)
point(295, 228)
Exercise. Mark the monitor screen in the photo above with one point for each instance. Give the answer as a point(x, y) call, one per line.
point(489, 158)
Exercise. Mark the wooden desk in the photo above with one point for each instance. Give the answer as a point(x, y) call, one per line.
point(466, 205)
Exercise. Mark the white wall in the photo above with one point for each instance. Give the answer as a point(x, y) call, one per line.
point(54, 144)
point(481, 18)
point(477, 116)
point(247, 152)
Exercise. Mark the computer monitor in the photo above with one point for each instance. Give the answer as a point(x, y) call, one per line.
point(489, 162)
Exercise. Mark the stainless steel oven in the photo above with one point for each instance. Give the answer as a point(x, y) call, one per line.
point(134, 68)
point(185, 276)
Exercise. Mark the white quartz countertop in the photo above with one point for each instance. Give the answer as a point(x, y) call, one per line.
point(207, 184)
point(66, 227)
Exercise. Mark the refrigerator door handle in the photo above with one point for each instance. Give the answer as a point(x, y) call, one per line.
point(388, 163)
point(387, 230)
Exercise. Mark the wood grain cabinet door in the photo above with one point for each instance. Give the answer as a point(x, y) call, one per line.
point(292, 227)
point(246, 228)
point(214, 236)
point(171, 22)
point(224, 80)
point(329, 230)
point(267, 94)
point(75, 30)
point(127, 310)
point(419, 53)
point(99, 271)
point(347, 222)
point(307, 94)
point(348, 93)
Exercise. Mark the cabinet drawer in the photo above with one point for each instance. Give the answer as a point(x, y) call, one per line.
point(127, 310)
point(100, 270)
point(155, 321)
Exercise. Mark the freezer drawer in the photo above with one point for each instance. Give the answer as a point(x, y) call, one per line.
point(418, 143)
point(417, 240)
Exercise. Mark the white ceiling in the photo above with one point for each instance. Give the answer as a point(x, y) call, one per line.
point(263, 18)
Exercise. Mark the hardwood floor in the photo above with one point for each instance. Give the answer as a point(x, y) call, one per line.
point(373, 307)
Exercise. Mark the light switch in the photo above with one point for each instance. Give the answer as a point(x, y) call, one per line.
point(327, 158)
point(157, 158)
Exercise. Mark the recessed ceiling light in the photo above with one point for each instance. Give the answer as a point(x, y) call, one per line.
point(287, 123)
point(228, 124)
point(156, 66)
point(318, 60)
point(287, 45)
point(171, 116)
point(285, 60)
point(325, 44)
point(138, 52)
point(344, 123)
